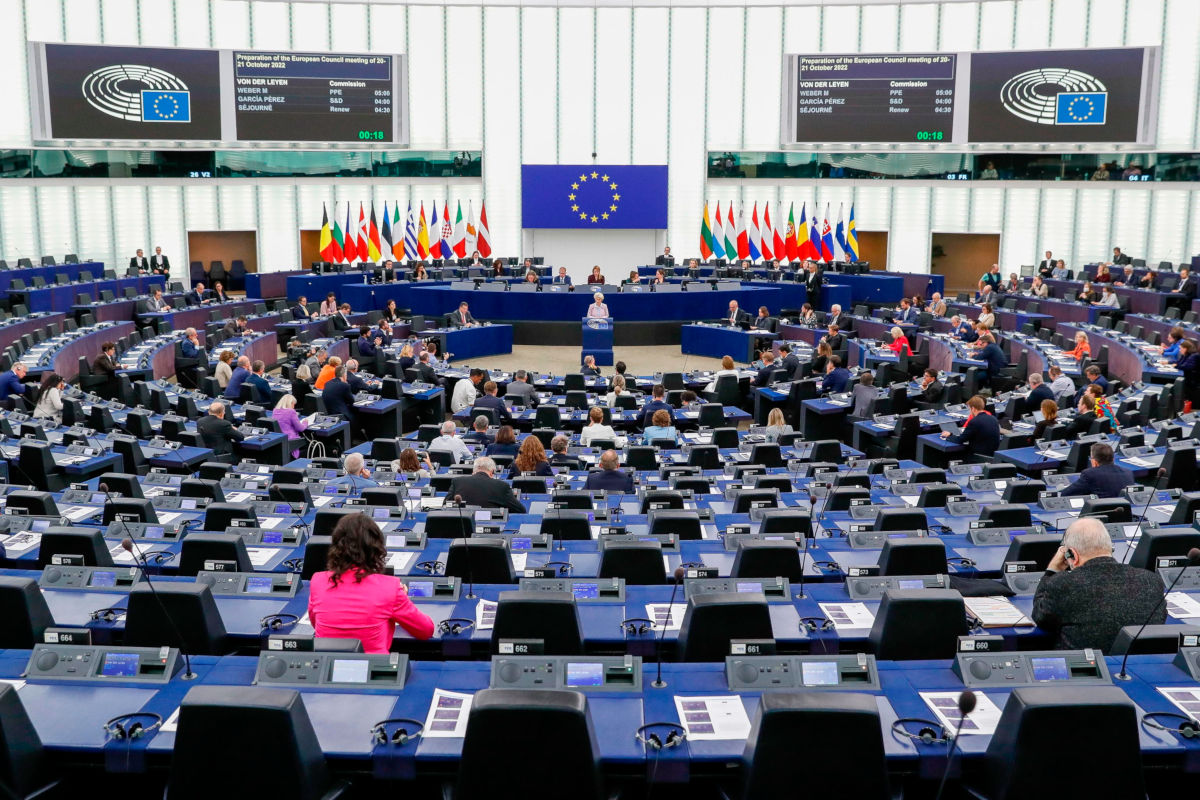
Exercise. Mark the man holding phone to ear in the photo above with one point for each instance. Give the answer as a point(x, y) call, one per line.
point(1087, 596)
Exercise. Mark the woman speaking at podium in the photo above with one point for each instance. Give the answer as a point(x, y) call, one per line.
point(597, 308)
point(353, 599)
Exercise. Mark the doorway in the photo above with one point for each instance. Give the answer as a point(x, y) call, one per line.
point(963, 258)
point(310, 247)
point(873, 247)
point(224, 246)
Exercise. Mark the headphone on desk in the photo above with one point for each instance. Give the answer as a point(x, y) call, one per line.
point(400, 736)
point(930, 732)
point(431, 567)
point(294, 564)
point(454, 626)
point(814, 624)
point(653, 741)
point(107, 614)
point(1187, 728)
point(277, 621)
point(560, 567)
point(116, 729)
point(637, 626)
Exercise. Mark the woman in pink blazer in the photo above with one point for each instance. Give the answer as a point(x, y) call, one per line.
point(353, 599)
point(289, 421)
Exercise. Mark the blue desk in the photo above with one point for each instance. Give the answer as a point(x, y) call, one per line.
point(49, 273)
point(62, 298)
point(271, 284)
point(315, 287)
point(718, 341)
point(468, 343)
point(374, 296)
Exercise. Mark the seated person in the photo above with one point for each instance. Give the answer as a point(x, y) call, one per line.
point(530, 459)
point(864, 395)
point(353, 599)
point(450, 443)
point(1103, 478)
point(356, 476)
point(218, 433)
point(489, 400)
point(596, 429)
point(899, 344)
point(1049, 419)
point(481, 488)
point(610, 477)
point(836, 378)
point(618, 390)
point(660, 428)
point(505, 443)
point(727, 368)
point(1085, 415)
point(479, 431)
point(589, 368)
point(981, 433)
point(1087, 596)
point(411, 466)
point(932, 390)
point(1082, 348)
point(558, 453)
point(777, 425)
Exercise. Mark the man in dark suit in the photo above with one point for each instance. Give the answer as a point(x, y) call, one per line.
point(1038, 391)
point(666, 259)
point(981, 434)
point(341, 320)
point(562, 277)
point(835, 339)
point(366, 344)
point(1120, 258)
point(425, 372)
point(490, 401)
point(589, 368)
point(235, 326)
point(609, 477)
point(907, 314)
point(1046, 267)
point(1184, 293)
point(763, 378)
point(353, 379)
point(812, 284)
point(462, 317)
point(139, 263)
point(160, 264)
point(735, 317)
point(520, 391)
point(1086, 596)
point(837, 377)
point(993, 355)
point(339, 399)
point(479, 432)
point(1104, 478)
point(1092, 375)
point(657, 402)
point(788, 361)
point(482, 489)
point(262, 389)
point(105, 366)
point(196, 296)
point(836, 317)
point(932, 390)
point(218, 433)
point(301, 311)
point(558, 454)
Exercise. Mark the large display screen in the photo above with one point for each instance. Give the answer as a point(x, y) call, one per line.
point(82, 93)
point(1101, 96)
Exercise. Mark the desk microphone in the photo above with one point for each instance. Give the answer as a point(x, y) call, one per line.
point(107, 501)
point(966, 704)
point(130, 546)
point(803, 558)
point(1193, 559)
point(659, 683)
point(1162, 473)
point(466, 535)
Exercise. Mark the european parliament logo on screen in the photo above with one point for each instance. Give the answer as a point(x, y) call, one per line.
point(1054, 96)
point(138, 93)
point(1081, 108)
point(593, 196)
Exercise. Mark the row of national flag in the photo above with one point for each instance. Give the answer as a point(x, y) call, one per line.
point(411, 238)
point(729, 237)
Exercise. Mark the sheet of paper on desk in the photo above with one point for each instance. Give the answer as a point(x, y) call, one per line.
point(80, 513)
point(122, 556)
point(848, 615)
point(666, 615)
point(713, 718)
point(20, 542)
point(485, 615)
point(996, 612)
point(1054, 454)
point(321, 501)
point(172, 723)
point(447, 717)
point(239, 497)
point(1141, 462)
point(910, 499)
point(1185, 698)
point(168, 516)
point(518, 560)
point(432, 502)
point(1182, 606)
point(261, 556)
point(270, 523)
point(982, 721)
point(399, 561)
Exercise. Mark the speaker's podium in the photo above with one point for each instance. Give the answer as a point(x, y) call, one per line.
point(598, 340)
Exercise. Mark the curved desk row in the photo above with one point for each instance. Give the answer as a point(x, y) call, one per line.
point(65, 360)
point(1125, 362)
point(49, 273)
point(13, 328)
point(183, 316)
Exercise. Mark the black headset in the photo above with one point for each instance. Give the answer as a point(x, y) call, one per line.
point(454, 626)
point(814, 624)
point(400, 736)
point(1187, 728)
point(116, 729)
point(277, 621)
point(637, 626)
point(294, 564)
point(431, 567)
point(561, 567)
point(108, 614)
point(828, 566)
point(930, 732)
point(675, 736)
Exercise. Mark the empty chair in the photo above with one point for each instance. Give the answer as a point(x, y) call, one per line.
point(291, 493)
point(219, 516)
point(133, 509)
point(935, 495)
point(712, 620)
point(746, 499)
point(505, 725)
point(1023, 491)
point(316, 555)
point(839, 498)
point(901, 519)
point(859, 479)
point(1158, 542)
point(642, 457)
point(243, 727)
point(761, 558)
point(1037, 547)
point(448, 523)
point(487, 562)
point(199, 548)
point(995, 471)
point(684, 524)
point(133, 459)
point(1116, 509)
point(661, 499)
point(179, 609)
point(638, 563)
point(549, 616)
point(927, 475)
point(826, 450)
point(918, 624)
point(1154, 639)
point(1006, 515)
point(394, 496)
point(705, 456)
point(24, 770)
point(86, 542)
point(912, 557)
point(1185, 509)
point(1035, 737)
point(121, 483)
point(725, 438)
point(769, 455)
point(824, 721)
point(35, 503)
point(36, 462)
point(1180, 464)
point(567, 524)
point(25, 613)
point(572, 499)
point(785, 520)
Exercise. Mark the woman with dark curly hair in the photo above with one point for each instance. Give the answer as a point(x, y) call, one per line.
point(353, 599)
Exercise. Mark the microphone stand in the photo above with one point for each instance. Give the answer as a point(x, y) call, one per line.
point(966, 704)
point(462, 528)
point(130, 546)
point(659, 683)
point(1193, 559)
point(1162, 473)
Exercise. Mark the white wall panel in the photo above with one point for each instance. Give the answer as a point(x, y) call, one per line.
point(81, 19)
point(949, 210)
point(347, 34)
point(464, 90)
point(1130, 223)
point(908, 243)
point(725, 65)
point(1168, 227)
point(837, 27)
point(120, 21)
point(918, 27)
point(1066, 30)
point(880, 29)
point(93, 221)
point(156, 24)
point(650, 65)
point(687, 152)
point(960, 26)
point(1033, 24)
point(230, 23)
point(987, 210)
point(427, 76)
point(43, 22)
point(278, 231)
point(539, 89)
point(764, 31)
point(1093, 217)
point(576, 97)
point(501, 129)
point(1106, 23)
point(193, 23)
point(1020, 218)
point(1177, 98)
point(996, 19)
point(200, 207)
point(167, 227)
point(614, 89)
point(56, 220)
point(131, 226)
point(14, 122)
point(273, 24)
point(1056, 229)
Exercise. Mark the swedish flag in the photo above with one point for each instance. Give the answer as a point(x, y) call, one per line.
point(166, 106)
point(1081, 108)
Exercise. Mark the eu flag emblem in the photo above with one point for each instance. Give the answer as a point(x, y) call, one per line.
point(1081, 108)
point(593, 196)
point(166, 106)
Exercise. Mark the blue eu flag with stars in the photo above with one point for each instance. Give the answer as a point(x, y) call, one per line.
point(166, 106)
point(1081, 108)
point(593, 196)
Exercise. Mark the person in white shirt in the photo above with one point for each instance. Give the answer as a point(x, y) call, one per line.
point(48, 405)
point(1108, 299)
point(597, 308)
point(466, 391)
point(727, 368)
point(1039, 288)
point(450, 443)
point(1061, 384)
point(596, 429)
point(618, 390)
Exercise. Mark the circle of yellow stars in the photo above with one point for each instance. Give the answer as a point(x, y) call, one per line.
point(166, 114)
point(584, 215)
point(1091, 109)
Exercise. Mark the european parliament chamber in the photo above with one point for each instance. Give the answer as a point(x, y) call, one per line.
point(685, 456)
